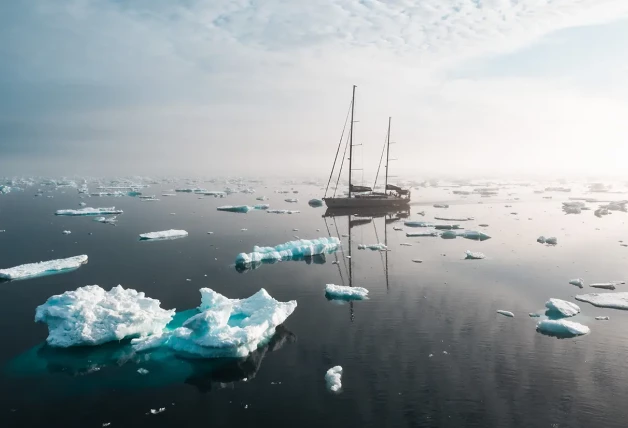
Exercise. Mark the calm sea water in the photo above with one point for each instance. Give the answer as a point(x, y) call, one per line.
point(426, 350)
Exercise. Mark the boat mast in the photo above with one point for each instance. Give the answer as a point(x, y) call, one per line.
point(387, 155)
point(351, 137)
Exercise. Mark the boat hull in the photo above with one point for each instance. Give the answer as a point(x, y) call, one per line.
point(367, 202)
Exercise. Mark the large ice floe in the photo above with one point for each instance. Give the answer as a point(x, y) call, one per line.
point(31, 270)
point(224, 327)
point(333, 378)
point(345, 293)
point(289, 250)
point(562, 307)
point(562, 328)
point(606, 300)
point(92, 316)
point(235, 208)
point(89, 211)
point(163, 235)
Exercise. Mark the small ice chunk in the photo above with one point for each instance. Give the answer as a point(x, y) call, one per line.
point(91, 316)
point(541, 239)
point(163, 235)
point(261, 206)
point(562, 328)
point(261, 198)
point(397, 228)
point(578, 282)
point(418, 224)
point(617, 300)
point(31, 270)
point(292, 200)
point(315, 202)
point(89, 211)
point(483, 225)
point(563, 307)
point(534, 315)
point(454, 218)
point(470, 255)
point(157, 411)
point(107, 220)
point(344, 292)
point(441, 206)
point(421, 233)
point(235, 208)
point(373, 247)
point(283, 211)
point(66, 232)
point(603, 318)
point(82, 204)
point(449, 234)
point(604, 285)
point(142, 371)
point(475, 235)
point(405, 244)
point(106, 424)
point(417, 261)
point(506, 313)
point(551, 240)
point(333, 378)
point(299, 248)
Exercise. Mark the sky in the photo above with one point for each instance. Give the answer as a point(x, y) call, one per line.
point(262, 87)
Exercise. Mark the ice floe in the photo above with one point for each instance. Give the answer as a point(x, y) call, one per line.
point(578, 282)
point(163, 235)
point(603, 318)
point(92, 316)
point(604, 285)
point(551, 240)
point(293, 200)
point(235, 208)
point(471, 255)
point(89, 211)
point(374, 247)
point(289, 250)
point(475, 235)
point(224, 327)
point(562, 328)
point(107, 220)
point(617, 300)
point(283, 211)
point(563, 307)
point(333, 379)
point(261, 206)
point(506, 313)
point(418, 224)
point(66, 232)
point(422, 233)
point(347, 293)
point(31, 270)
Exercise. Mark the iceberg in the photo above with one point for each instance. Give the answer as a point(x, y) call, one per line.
point(422, 233)
point(261, 206)
point(418, 224)
point(283, 211)
point(92, 316)
point(164, 234)
point(347, 293)
point(562, 328)
point(333, 379)
point(235, 209)
point(578, 282)
point(43, 268)
point(315, 202)
point(606, 300)
point(470, 255)
point(563, 307)
point(89, 211)
point(374, 247)
point(506, 313)
point(224, 327)
point(289, 250)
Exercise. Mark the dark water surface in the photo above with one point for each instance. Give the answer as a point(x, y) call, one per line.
point(426, 350)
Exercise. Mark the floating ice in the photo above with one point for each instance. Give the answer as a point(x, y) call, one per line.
point(606, 300)
point(164, 234)
point(474, 255)
point(447, 226)
point(605, 285)
point(291, 200)
point(89, 211)
point(441, 206)
point(344, 292)
point(578, 282)
point(66, 232)
point(333, 378)
point(422, 233)
point(142, 371)
point(168, 194)
point(261, 198)
point(454, 218)
point(601, 318)
point(224, 327)
point(217, 193)
point(551, 240)
point(533, 315)
point(283, 211)
point(417, 261)
point(235, 209)
point(397, 228)
point(374, 247)
point(261, 206)
point(419, 224)
point(289, 250)
point(562, 328)
point(405, 244)
point(475, 235)
point(449, 234)
point(191, 190)
point(541, 239)
point(157, 411)
point(315, 202)
point(92, 316)
point(43, 268)
point(506, 313)
point(107, 220)
point(82, 204)
point(563, 307)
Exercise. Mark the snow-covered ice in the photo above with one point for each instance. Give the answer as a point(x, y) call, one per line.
point(506, 313)
point(562, 327)
point(563, 307)
point(92, 316)
point(31, 270)
point(224, 327)
point(344, 292)
point(374, 247)
point(163, 235)
point(333, 378)
point(474, 255)
point(235, 209)
point(89, 211)
point(606, 300)
point(300, 248)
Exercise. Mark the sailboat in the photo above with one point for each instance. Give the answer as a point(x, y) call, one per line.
point(363, 196)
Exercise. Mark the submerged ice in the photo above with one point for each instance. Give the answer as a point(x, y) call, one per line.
point(92, 316)
point(31, 270)
point(289, 250)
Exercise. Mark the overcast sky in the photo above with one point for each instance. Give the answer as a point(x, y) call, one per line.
point(254, 87)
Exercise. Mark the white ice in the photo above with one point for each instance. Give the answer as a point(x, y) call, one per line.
point(471, 255)
point(374, 247)
point(578, 282)
point(291, 200)
point(541, 239)
point(302, 247)
point(224, 327)
point(142, 371)
point(344, 292)
point(333, 378)
point(506, 313)
point(89, 211)
point(562, 327)
point(283, 211)
point(42, 268)
point(92, 316)
point(564, 307)
point(603, 318)
point(164, 234)
point(606, 300)
point(66, 232)
point(261, 206)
